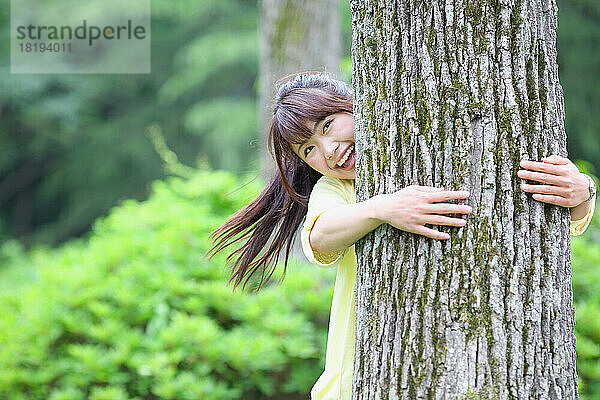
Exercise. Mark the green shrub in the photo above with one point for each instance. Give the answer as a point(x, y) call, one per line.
point(586, 294)
point(135, 311)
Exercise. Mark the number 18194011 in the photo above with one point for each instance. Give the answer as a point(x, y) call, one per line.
point(45, 47)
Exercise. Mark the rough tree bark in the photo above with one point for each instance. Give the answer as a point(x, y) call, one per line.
point(454, 94)
point(295, 35)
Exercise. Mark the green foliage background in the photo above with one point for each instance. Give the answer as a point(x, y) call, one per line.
point(135, 311)
point(585, 261)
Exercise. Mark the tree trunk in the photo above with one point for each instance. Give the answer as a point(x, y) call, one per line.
point(455, 94)
point(295, 35)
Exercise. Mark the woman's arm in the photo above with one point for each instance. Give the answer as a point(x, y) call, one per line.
point(409, 209)
point(563, 184)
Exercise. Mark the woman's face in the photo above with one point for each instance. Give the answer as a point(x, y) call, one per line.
point(330, 150)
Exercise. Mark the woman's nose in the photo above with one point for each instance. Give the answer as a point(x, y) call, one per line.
point(330, 150)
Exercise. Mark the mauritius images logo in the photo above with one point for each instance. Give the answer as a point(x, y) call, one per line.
point(69, 36)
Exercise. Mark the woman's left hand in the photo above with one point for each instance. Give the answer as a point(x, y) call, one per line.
point(563, 184)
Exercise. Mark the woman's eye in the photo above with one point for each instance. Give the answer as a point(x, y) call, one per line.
point(307, 150)
point(326, 125)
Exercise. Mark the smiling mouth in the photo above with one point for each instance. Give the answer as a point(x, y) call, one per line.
point(342, 163)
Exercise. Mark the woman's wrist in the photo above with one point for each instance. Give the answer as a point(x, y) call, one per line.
point(377, 208)
point(580, 211)
point(591, 188)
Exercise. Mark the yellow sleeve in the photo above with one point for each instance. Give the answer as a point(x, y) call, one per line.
point(578, 227)
point(327, 193)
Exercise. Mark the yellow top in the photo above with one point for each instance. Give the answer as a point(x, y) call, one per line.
point(336, 381)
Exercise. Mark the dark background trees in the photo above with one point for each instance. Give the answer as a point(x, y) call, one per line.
point(579, 63)
point(75, 145)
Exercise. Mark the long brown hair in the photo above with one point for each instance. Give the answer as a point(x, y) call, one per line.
point(272, 219)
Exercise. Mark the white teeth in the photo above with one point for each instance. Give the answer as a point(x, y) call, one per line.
point(346, 155)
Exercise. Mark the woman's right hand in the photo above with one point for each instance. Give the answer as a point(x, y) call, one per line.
point(413, 207)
